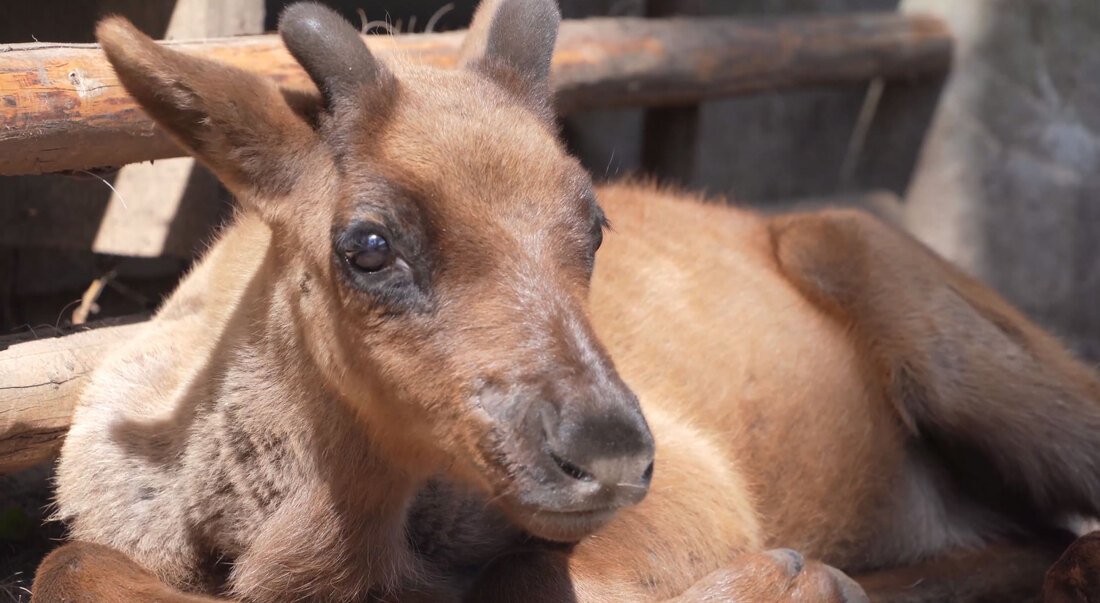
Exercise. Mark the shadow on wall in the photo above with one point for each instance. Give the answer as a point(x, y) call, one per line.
point(48, 223)
point(1008, 185)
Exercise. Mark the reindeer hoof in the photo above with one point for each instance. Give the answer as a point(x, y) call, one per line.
point(1075, 577)
point(779, 575)
point(813, 581)
point(789, 559)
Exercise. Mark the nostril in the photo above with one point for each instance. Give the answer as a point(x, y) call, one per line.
point(648, 474)
point(572, 470)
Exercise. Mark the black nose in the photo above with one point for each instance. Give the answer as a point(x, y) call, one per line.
point(608, 455)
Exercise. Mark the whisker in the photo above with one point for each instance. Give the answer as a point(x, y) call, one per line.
point(109, 185)
point(626, 485)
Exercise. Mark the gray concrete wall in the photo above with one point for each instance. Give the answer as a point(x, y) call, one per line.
point(1008, 185)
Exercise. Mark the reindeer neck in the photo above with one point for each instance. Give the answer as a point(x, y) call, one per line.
point(348, 474)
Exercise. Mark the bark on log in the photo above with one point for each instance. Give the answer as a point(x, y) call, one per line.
point(61, 107)
point(40, 380)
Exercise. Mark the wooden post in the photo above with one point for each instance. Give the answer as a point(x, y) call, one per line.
point(670, 134)
point(131, 212)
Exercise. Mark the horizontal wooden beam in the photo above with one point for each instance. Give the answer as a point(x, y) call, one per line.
point(40, 380)
point(62, 109)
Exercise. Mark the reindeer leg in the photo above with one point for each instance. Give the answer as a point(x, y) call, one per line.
point(777, 575)
point(999, 572)
point(86, 572)
point(1015, 417)
point(781, 575)
point(1075, 577)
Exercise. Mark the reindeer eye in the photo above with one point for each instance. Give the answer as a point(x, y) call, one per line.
point(369, 253)
point(598, 226)
point(598, 237)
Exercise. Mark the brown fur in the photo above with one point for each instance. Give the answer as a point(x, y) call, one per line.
point(1075, 578)
point(65, 573)
point(289, 429)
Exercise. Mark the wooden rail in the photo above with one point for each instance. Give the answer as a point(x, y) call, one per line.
point(61, 107)
point(40, 380)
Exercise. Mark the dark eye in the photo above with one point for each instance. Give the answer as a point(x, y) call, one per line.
point(369, 253)
point(600, 223)
point(597, 237)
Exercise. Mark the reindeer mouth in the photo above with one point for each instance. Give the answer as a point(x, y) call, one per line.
point(541, 506)
point(555, 525)
point(567, 526)
point(555, 511)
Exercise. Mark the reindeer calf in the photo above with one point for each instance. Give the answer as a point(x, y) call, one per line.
point(402, 372)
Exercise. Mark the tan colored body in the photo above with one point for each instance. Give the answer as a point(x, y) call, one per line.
point(456, 413)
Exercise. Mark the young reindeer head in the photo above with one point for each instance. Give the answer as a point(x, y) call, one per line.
point(434, 245)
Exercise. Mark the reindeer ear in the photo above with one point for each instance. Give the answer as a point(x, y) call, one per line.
point(237, 123)
point(512, 41)
point(334, 55)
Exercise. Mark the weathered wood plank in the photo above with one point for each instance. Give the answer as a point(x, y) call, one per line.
point(61, 107)
point(40, 380)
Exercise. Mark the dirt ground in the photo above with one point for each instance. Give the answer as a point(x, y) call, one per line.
point(25, 535)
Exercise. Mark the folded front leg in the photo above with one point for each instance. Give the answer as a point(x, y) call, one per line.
point(777, 576)
point(84, 571)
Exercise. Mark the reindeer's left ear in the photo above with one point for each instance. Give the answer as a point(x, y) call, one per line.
point(512, 41)
point(238, 123)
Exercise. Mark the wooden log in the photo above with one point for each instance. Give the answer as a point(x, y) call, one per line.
point(61, 107)
point(40, 380)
